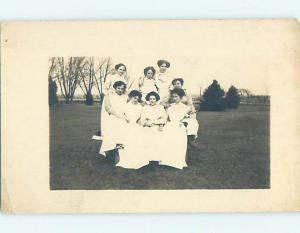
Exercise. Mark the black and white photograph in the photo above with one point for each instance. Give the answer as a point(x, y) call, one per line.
point(150, 116)
point(146, 123)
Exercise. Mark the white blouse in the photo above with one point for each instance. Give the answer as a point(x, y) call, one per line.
point(163, 82)
point(133, 112)
point(153, 113)
point(147, 85)
point(176, 112)
point(115, 103)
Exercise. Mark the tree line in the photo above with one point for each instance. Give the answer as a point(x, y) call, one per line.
point(86, 73)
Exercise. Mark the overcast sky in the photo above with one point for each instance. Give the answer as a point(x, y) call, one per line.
point(199, 72)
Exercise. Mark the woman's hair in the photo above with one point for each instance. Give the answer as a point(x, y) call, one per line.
point(149, 68)
point(160, 62)
point(134, 93)
point(178, 91)
point(177, 79)
point(119, 65)
point(118, 84)
point(152, 93)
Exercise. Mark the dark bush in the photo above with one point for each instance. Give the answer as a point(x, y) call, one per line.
point(52, 89)
point(89, 99)
point(232, 98)
point(213, 98)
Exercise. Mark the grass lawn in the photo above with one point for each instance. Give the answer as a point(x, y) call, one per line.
point(234, 153)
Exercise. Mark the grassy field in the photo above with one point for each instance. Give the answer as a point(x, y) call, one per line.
point(234, 153)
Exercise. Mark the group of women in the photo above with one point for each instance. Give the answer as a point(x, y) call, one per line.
point(155, 122)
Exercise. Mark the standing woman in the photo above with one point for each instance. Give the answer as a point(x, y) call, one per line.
point(114, 117)
point(147, 83)
point(153, 118)
point(175, 139)
point(118, 75)
point(163, 79)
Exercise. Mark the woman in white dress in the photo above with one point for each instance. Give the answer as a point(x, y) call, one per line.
point(163, 79)
point(175, 139)
point(118, 75)
point(115, 119)
point(132, 155)
point(153, 118)
point(147, 83)
point(191, 121)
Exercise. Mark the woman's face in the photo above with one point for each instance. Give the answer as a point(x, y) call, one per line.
point(121, 70)
point(152, 100)
point(163, 68)
point(120, 90)
point(135, 99)
point(177, 84)
point(149, 74)
point(175, 98)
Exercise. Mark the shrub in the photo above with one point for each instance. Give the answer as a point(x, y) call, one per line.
point(232, 98)
point(89, 100)
point(213, 98)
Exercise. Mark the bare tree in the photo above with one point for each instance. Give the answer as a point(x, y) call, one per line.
point(67, 73)
point(87, 73)
point(244, 92)
point(104, 68)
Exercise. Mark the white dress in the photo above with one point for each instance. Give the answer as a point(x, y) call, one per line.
point(163, 82)
point(132, 156)
point(193, 125)
point(152, 136)
point(112, 127)
point(147, 85)
point(175, 139)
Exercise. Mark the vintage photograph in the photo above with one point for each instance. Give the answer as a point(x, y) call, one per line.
point(145, 123)
point(150, 116)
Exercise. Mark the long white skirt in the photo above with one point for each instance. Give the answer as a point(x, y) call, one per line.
point(133, 156)
point(175, 145)
point(153, 143)
point(113, 130)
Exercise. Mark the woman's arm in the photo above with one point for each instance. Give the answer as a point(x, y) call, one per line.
point(107, 105)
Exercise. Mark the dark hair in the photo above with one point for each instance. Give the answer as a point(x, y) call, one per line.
point(177, 79)
point(119, 65)
point(134, 93)
point(178, 91)
point(160, 62)
point(149, 68)
point(152, 93)
point(118, 84)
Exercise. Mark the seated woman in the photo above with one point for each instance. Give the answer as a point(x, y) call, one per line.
point(131, 155)
point(190, 120)
point(113, 118)
point(174, 138)
point(153, 118)
point(147, 83)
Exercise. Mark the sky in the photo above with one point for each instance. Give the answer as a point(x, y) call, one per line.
point(199, 72)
